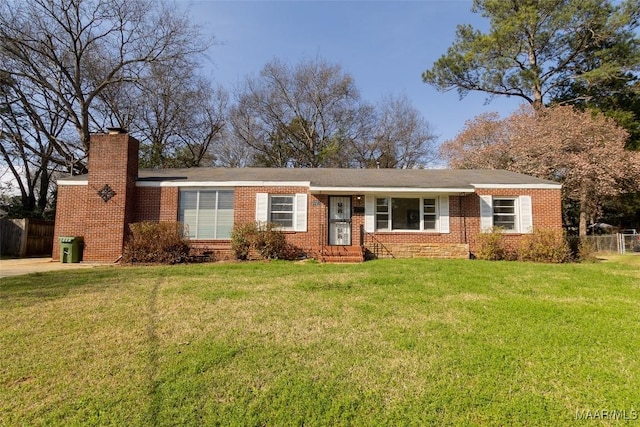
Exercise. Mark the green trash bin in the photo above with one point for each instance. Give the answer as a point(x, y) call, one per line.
point(70, 249)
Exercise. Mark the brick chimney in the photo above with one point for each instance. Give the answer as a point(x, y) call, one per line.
point(113, 169)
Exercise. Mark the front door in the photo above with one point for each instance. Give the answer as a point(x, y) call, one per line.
point(340, 220)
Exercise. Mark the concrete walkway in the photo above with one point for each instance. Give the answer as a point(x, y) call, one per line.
point(16, 267)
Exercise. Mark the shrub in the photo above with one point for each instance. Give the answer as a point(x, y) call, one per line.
point(270, 242)
point(544, 246)
point(491, 246)
point(242, 238)
point(586, 251)
point(156, 242)
point(265, 240)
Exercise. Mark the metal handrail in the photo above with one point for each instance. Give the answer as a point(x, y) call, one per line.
point(377, 243)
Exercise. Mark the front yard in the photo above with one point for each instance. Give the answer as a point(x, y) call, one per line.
point(390, 342)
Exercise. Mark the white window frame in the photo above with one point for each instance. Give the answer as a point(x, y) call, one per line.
point(292, 212)
point(441, 214)
point(299, 215)
point(515, 214)
point(523, 217)
point(434, 213)
point(386, 212)
point(193, 234)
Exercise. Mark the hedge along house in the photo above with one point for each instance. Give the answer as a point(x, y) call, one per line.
point(330, 214)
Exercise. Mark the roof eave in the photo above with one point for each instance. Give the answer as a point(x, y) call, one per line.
point(159, 183)
point(378, 190)
point(530, 186)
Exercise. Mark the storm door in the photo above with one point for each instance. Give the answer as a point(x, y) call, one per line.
point(340, 220)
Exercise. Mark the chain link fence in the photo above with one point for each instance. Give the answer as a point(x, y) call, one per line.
point(617, 243)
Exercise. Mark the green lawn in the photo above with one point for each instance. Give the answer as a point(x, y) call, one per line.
point(393, 342)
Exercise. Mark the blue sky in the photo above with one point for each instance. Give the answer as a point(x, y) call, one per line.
point(384, 45)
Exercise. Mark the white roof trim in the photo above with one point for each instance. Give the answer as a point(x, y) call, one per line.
point(519, 186)
point(72, 182)
point(187, 183)
point(321, 190)
point(372, 190)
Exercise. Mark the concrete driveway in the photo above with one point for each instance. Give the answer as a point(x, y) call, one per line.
point(16, 267)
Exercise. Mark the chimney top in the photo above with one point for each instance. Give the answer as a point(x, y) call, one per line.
point(116, 131)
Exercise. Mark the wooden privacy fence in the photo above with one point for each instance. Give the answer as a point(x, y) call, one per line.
point(26, 237)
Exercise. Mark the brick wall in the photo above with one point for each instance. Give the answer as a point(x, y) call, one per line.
point(156, 204)
point(309, 242)
point(71, 213)
point(113, 161)
point(464, 224)
point(82, 212)
point(546, 212)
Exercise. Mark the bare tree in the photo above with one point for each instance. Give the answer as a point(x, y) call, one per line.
point(177, 115)
point(202, 128)
point(63, 59)
point(311, 115)
point(231, 151)
point(75, 49)
point(30, 156)
point(297, 116)
point(400, 137)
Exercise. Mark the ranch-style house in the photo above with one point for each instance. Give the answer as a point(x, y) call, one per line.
point(329, 214)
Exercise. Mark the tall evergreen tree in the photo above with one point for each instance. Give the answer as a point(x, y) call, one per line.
point(538, 49)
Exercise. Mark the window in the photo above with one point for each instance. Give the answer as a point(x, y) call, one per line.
point(405, 214)
point(429, 214)
point(382, 214)
point(504, 213)
point(395, 213)
point(511, 214)
point(207, 214)
point(288, 211)
point(281, 211)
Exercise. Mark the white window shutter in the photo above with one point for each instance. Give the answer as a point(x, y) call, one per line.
point(486, 214)
point(443, 216)
point(526, 217)
point(262, 208)
point(369, 214)
point(301, 213)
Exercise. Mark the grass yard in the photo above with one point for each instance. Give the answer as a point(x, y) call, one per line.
point(390, 342)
